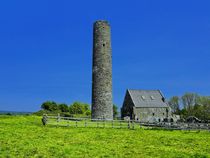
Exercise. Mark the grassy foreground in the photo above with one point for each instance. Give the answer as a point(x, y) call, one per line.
point(24, 136)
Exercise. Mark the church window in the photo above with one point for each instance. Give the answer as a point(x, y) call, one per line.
point(152, 97)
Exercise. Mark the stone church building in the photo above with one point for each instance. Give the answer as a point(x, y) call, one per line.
point(146, 106)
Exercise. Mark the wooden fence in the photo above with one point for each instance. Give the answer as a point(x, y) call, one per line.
point(130, 124)
point(86, 122)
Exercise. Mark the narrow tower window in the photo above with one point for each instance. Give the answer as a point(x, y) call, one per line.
point(103, 45)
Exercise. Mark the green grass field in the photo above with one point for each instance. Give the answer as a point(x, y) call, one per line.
point(24, 136)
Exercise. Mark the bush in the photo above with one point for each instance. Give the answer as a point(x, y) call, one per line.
point(78, 108)
point(63, 107)
point(66, 114)
point(40, 112)
point(49, 105)
point(88, 113)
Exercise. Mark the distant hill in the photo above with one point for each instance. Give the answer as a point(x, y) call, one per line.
point(14, 112)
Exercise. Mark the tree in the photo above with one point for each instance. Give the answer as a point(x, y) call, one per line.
point(85, 106)
point(204, 101)
point(79, 108)
point(174, 104)
point(115, 112)
point(189, 100)
point(198, 111)
point(49, 105)
point(63, 107)
point(88, 113)
point(194, 105)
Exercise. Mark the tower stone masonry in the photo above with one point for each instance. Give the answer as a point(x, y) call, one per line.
point(102, 106)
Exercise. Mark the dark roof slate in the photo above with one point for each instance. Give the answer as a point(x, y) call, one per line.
point(147, 98)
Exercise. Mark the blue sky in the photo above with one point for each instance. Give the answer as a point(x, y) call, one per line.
point(46, 49)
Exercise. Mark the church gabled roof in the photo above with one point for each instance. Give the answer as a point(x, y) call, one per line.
point(147, 98)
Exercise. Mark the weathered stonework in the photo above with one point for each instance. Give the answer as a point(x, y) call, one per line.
point(102, 106)
point(150, 114)
point(150, 111)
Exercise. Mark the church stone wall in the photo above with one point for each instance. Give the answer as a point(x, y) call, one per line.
point(150, 114)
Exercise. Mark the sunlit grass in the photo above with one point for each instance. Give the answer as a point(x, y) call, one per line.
point(24, 136)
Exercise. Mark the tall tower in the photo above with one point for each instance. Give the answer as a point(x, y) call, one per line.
point(102, 106)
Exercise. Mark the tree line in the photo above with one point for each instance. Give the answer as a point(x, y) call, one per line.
point(191, 104)
point(76, 109)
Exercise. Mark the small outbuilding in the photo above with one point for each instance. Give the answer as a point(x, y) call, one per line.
point(146, 106)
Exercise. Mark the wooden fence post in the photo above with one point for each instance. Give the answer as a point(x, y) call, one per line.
point(44, 119)
point(58, 119)
point(132, 124)
point(85, 123)
point(128, 124)
point(97, 123)
point(104, 123)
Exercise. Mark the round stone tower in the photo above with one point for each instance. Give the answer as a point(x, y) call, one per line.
point(102, 106)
